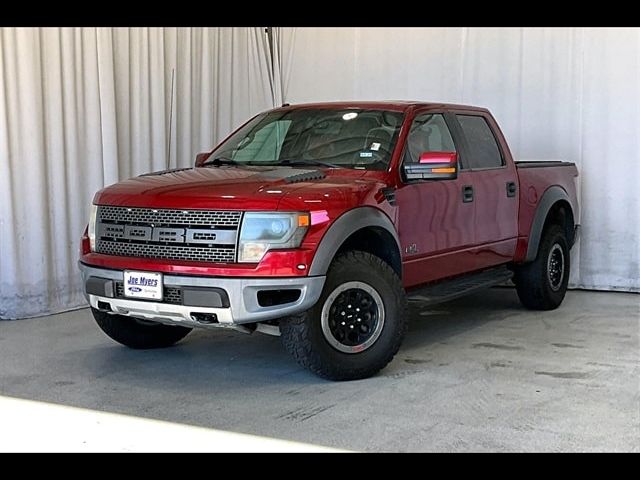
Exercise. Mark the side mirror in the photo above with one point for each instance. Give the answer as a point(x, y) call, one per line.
point(201, 158)
point(433, 166)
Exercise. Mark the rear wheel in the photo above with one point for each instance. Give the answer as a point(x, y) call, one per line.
point(358, 323)
point(139, 334)
point(542, 284)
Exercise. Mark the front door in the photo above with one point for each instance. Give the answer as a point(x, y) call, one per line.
point(436, 221)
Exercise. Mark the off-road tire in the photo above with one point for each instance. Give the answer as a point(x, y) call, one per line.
point(533, 283)
point(303, 337)
point(136, 334)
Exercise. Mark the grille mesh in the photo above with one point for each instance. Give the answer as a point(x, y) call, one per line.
point(142, 250)
point(163, 216)
point(172, 295)
point(113, 241)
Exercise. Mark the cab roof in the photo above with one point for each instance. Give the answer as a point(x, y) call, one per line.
point(395, 105)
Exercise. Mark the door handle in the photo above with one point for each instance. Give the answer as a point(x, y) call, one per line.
point(511, 189)
point(467, 193)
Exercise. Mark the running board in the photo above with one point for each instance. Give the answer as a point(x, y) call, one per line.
point(449, 289)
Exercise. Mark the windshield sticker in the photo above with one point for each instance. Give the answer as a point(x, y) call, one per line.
point(366, 154)
point(375, 146)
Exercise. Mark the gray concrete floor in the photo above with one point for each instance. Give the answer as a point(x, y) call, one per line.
point(477, 374)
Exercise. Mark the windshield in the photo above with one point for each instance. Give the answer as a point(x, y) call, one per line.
point(347, 138)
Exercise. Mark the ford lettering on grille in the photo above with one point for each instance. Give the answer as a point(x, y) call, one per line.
point(196, 235)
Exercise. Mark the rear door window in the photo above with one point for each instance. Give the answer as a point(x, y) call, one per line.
point(483, 148)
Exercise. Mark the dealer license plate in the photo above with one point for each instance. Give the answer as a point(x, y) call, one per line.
point(143, 285)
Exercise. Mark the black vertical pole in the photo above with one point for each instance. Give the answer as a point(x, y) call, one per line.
point(269, 32)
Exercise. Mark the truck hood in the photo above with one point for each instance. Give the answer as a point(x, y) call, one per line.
point(240, 188)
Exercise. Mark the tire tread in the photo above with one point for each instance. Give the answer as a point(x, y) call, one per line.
point(531, 278)
point(296, 336)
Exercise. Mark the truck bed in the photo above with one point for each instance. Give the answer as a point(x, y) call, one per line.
point(535, 178)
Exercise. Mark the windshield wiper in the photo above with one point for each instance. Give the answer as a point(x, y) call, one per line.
point(216, 162)
point(310, 162)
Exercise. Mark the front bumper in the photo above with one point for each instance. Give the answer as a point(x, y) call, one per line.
point(241, 297)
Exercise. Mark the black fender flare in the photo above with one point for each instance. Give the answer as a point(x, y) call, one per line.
point(550, 197)
point(342, 228)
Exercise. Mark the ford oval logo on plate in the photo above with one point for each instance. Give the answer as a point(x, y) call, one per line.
point(147, 285)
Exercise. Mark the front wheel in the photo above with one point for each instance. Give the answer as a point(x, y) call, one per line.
point(542, 284)
point(138, 334)
point(357, 325)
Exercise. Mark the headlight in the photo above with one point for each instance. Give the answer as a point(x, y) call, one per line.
point(261, 232)
point(92, 227)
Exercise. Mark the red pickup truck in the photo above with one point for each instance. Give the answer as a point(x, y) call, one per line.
point(318, 222)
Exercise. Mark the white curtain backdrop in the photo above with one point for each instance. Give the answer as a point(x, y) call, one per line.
point(558, 93)
point(83, 108)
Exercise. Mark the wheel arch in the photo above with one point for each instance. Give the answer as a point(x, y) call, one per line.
point(554, 208)
point(363, 228)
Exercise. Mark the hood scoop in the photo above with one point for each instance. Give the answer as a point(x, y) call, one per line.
point(294, 175)
point(164, 172)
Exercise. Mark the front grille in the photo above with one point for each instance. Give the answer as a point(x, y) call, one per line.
point(196, 254)
point(194, 235)
point(172, 295)
point(169, 217)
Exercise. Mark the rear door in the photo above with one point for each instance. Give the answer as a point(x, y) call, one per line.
point(495, 183)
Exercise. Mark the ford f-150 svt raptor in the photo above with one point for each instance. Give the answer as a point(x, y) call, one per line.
point(317, 222)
